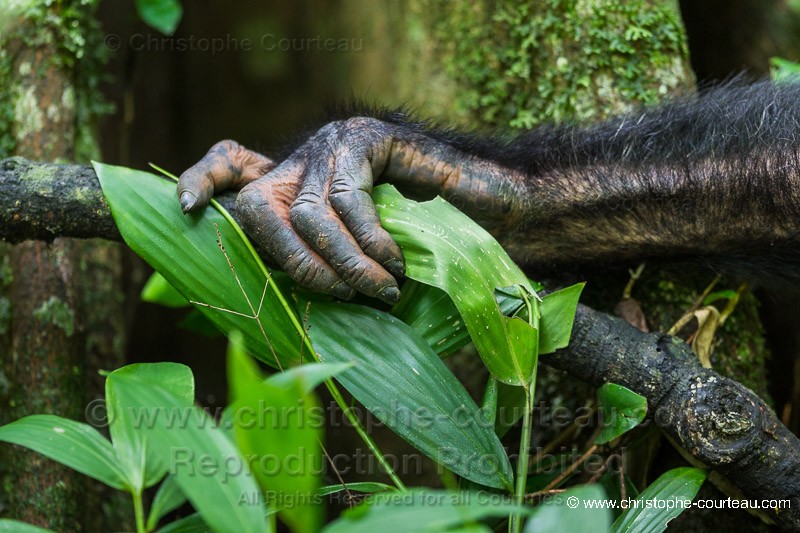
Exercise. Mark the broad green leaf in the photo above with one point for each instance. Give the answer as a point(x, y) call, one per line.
point(422, 510)
point(400, 380)
point(622, 410)
point(432, 314)
point(308, 376)
point(184, 249)
point(143, 464)
point(162, 15)
point(273, 424)
point(677, 486)
point(446, 249)
point(15, 526)
point(168, 498)
point(572, 511)
point(76, 445)
point(157, 290)
point(189, 524)
point(243, 373)
point(360, 486)
point(206, 464)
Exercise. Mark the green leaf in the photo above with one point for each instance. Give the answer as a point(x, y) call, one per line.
point(243, 372)
point(446, 249)
point(168, 498)
point(622, 410)
point(275, 428)
point(206, 464)
point(679, 485)
point(422, 510)
point(157, 290)
point(162, 15)
point(361, 486)
point(568, 512)
point(78, 446)
point(143, 464)
point(189, 524)
point(15, 526)
point(308, 376)
point(489, 401)
point(558, 315)
point(184, 249)
point(399, 379)
point(432, 314)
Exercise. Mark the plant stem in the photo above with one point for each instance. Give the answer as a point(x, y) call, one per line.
point(138, 511)
point(356, 423)
point(515, 524)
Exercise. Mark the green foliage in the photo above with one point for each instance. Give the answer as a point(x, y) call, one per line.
point(406, 386)
point(76, 445)
point(231, 285)
point(523, 63)
point(154, 428)
point(15, 526)
point(622, 410)
point(421, 510)
point(468, 269)
point(158, 290)
point(286, 449)
point(569, 512)
point(144, 465)
point(163, 15)
point(677, 487)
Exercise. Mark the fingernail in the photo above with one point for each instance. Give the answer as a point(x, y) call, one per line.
point(187, 201)
point(390, 295)
point(396, 268)
point(342, 290)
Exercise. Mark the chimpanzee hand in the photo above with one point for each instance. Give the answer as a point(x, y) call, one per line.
point(313, 213)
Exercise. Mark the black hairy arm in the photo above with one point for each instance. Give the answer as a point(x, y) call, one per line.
point(714, 178)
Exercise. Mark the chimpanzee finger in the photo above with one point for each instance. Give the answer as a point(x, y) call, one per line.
point(226, 165)
point(263, 209)
point(319, 225)
point(350, 197)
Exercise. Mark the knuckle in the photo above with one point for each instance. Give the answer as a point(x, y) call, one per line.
point(361, 123)
point(249, 198)
point(224, 146)
point(302, 267)
point(304, 212)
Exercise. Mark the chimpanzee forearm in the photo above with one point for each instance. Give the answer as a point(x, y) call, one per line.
point(713, 177)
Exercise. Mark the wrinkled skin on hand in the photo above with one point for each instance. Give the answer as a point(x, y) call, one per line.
point(313, 214)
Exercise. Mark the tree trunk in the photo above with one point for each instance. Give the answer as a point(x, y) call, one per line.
point(60, 314)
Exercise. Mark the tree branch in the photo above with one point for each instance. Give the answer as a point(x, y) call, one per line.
point(718, 420)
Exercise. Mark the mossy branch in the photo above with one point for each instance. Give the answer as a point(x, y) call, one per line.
point(719, 421)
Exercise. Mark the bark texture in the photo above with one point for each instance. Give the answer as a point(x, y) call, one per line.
point(60, 313)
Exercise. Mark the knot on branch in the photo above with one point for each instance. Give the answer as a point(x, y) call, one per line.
point(722, 421)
